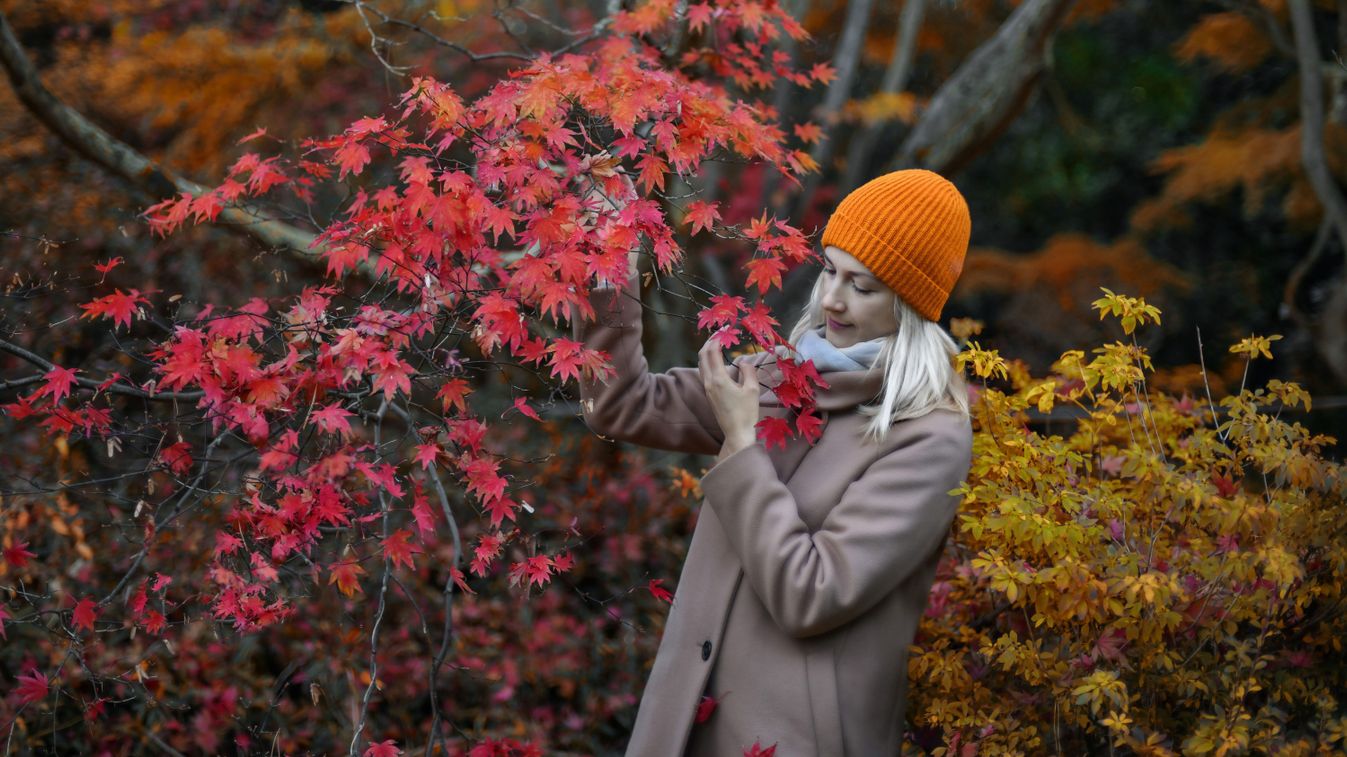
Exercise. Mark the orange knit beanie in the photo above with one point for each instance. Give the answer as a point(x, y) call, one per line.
point(910, 228)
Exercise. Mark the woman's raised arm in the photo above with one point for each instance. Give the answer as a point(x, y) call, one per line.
point(663, 410)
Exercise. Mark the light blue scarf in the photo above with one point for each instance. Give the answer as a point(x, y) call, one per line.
point(858, 357)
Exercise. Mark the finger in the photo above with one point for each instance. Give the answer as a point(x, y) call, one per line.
point(749, 373)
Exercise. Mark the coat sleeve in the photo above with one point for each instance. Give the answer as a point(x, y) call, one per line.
point(888, 522)
point(663, 410)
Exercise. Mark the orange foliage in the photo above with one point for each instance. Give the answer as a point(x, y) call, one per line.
point(1068, 268)
point(1229, 39)
point(1256, 159)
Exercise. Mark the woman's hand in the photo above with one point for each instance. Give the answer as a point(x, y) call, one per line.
point(734, 403)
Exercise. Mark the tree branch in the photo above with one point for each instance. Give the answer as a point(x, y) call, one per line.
point(47, 365)
point(986, 93)
point(117, 157)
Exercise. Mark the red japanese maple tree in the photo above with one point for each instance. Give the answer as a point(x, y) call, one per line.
point(336, 430)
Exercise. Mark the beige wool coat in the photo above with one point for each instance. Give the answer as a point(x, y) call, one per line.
point(809, 566)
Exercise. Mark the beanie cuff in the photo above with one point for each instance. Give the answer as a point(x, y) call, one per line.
point(889, 265)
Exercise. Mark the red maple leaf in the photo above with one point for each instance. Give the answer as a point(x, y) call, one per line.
point(107, 266)
point(399, 550)
point(352, 156)
point(485, 553)
point(387, 748)
point(773, 431)
point(808, 132)
point(153, 622)
point(758, 750)
point(177, 457)
point(656, 588)
point(500, 508)
point(760, 323)
point(86, 612)
point(809, 425)
point(567, 356)
point(536, 571)
point(18, 555)
point(425, 519)
point(32, 687)
point(1225, 486)
point(483, 480)
point(452, 392)
point(524, 409)
point(706, 708)
point(427, 455)
point(724, 310)
point(822, 73)
point(765, 273)
point(118, 306)
point(333, 419)
point(699, 15)
point(346, 576)
point(58, 382)
point(702, 215)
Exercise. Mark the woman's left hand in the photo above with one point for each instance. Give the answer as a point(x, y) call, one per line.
point(735, 403)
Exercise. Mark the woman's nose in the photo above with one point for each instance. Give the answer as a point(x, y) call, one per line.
point(831, 301)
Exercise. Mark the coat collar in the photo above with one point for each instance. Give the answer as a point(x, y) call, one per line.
point(846, 389)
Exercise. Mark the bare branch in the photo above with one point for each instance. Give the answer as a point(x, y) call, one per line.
point(433, 37)
point(123, 389)
point(91, 141)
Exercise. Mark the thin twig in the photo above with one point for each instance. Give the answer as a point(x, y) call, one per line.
point(123, 389)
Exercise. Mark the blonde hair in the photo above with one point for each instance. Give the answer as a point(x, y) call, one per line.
point(917, 361)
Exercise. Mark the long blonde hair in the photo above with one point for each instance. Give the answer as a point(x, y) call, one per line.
point(917, 361)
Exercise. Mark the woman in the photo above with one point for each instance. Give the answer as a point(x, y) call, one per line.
point(809, 566)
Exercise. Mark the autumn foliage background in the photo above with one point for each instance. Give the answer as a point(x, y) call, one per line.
point(292, 457)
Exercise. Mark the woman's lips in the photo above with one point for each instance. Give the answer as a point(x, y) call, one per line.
point(836, 325)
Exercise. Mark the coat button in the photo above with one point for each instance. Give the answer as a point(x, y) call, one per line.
point(706, 650)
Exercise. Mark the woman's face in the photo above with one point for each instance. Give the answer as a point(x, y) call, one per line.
point(857, 307)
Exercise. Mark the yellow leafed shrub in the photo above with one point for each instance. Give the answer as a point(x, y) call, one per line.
point(1154, 575)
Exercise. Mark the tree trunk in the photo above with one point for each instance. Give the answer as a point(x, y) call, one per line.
point(846, 59)
point(1331, 325)
point(86, 138)
point(895, 80)
point(986, 93)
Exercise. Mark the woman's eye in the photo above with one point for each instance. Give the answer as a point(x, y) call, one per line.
point(829, 271)
point(859, 290)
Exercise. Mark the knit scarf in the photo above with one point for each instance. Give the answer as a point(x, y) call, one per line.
point(858, 357)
